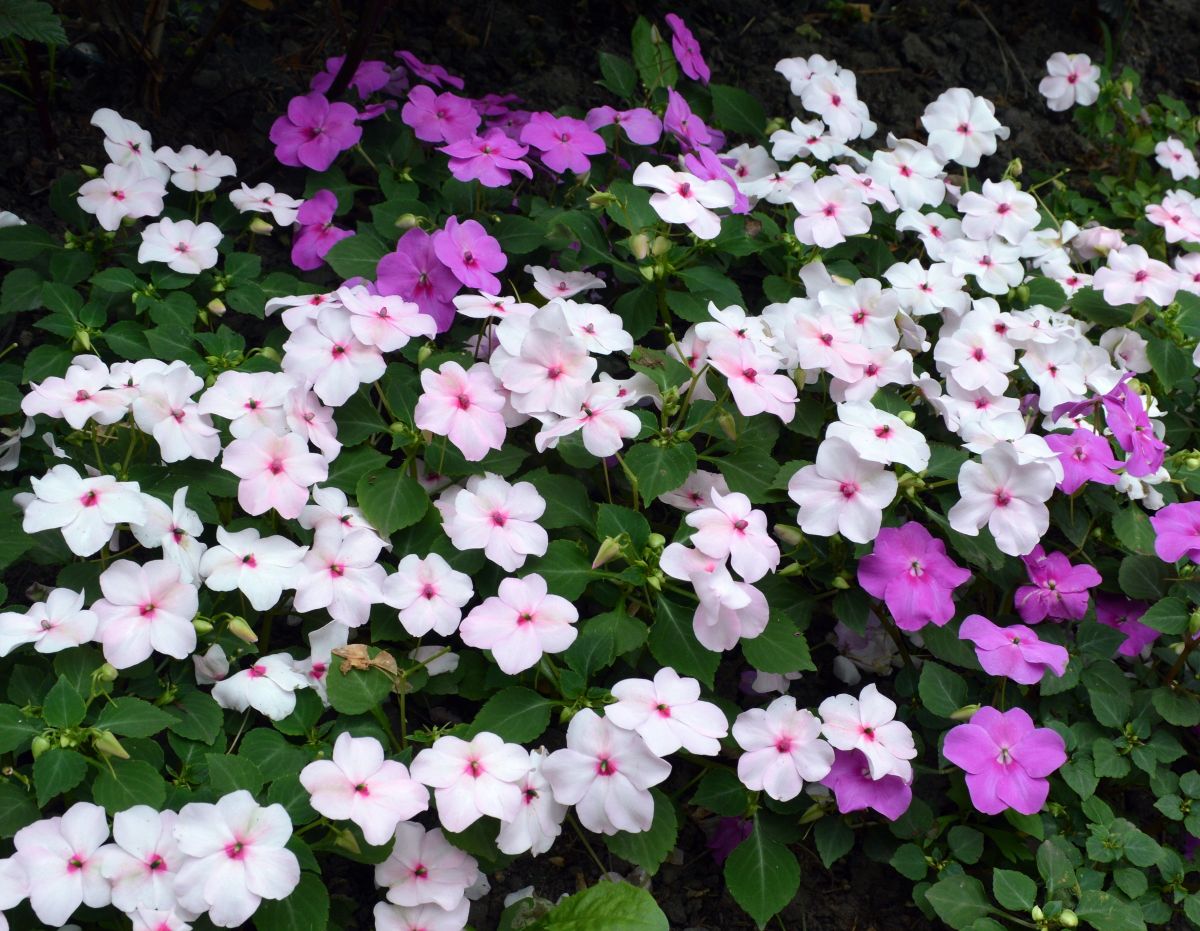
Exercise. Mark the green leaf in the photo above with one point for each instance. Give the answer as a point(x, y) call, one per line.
point(762, 875)
point(834, 840)
point(16, 730)
point(357, 420)
point(391, 500)
point(357, 691)
point(1133, 529)
point(619, 76)
point(751, 471)
point(664, 370)
point(34, 20)
point(567, 502)
point(197, 716)
point(737, 111)
point(1169, 615)
point(17, 808)
point(673, 643)
point(721, 792)
point(652, 57)
point(1171, 364)
point(1109, 693)
point(57, 771)
point(600, 639)
point(64, 706)
point(1054, 866)
point(1047, 292)
point(357, 256)
point(517, 235)
point(43, 361)
point(1177, 707)
point(942, 691)
point(306, 909)
point(19, 243)
point(966, 844)
point(517, 714)
point(271, 753)
point(21, 291)
point(1089, 303)
point(1107, 912)
point(173, 341)
point(229, 773)
point(1143, 577)
point(566, 568)
point(648, 849)
point(660, 469)
point(910, 862)
point(604, 907)
point(958, 900)
point(133, 717)
point(613, 520)
point(780, 648)
point(129, 783)
point(1014, 890)
point(117, 281)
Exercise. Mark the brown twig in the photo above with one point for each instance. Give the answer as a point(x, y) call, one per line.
point(368, 25)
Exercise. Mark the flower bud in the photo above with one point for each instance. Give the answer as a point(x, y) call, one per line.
point(791, 569)
point(39, 746)
point(82, 340)
point(260, 227)
point(609, 550)
point(1023, 293)
point(728, 425)
point(216, 307)
point(243, 631)
point(1194, 623)
point(647, 272)
point(347, 841)
point(601, 199)
point(90, 170)
point(655, 581)
point(107, 745)
point(656, 541)
point(775, 124)
point(108, 672)
point(840, 583)
point(792, 536)
point(660, 246)
point(1036, 913)
point(269, 352)
point(815, 812)
point(202, 627)
point(639, 245)
point(965, 713)
point(424, 353)
point(1068, 919)
point(908, 418)
point(1192, 463)
point(407, 221)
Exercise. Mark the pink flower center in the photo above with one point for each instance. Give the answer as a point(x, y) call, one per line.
point(830, 210)
point(784, 745)
point(978, 354)
point(1003, 209)
point(420, 871)
point(848, 489)
point(524, 618)
point(428, 592)
point(664, 711)
point(77, 862)
point(883, 431)
point(257, 672)
point(684, 190)
point(1072, 78)
point(474, 768)
point(554, 372)
point(740, 525)
point(318, 670)
point(236, 850)
point(337, 351)
point(606, 767)
point(90, 499)
point(499, 518)
point(337, 570)
point(1005, 756)
point(1002, 498)
point(156, 864)
point(915, 569)
point(361, 789)
point(1141, 275)
point(249, 560)
point(275, 466)
point(964, 129)
point(147, 610)
point(464, 402)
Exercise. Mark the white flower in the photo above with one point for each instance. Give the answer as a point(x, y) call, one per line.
point(684, 198)
point(184, 246)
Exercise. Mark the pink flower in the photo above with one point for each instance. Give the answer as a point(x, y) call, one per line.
point(268, 686)
point(327, 355)
point(565, 142)
point(1014, 652)
point(144, 861)
point(1059, 590)
point(164, 408)
point(910, 571)
point(686, 127)
point(668, 713)
point(263, 198)
point(145, 610)
point(828, 211)
point(731, 528)
point(1126, 416)
point(87, 510)
point(606, 773)
point(428, 917)
point(63, 855)
point(1131, 276)
point(687, 50)
point(428, 593)
point(317, 234)
point(196, 170)
point(728, 610)
point(641, 126)
point(1177, 158)
point(1008, 496)
point(260, 568)
point(539, 818)
point(842, 493)
point(437, 117)
point(753, 381)
point(498, 518)
point(122, 191)
point(694, 493)
point(248, 400)
point(470, 254)
point(152, 919)
point(962, 127)
point(275, 472)
point(368, 77)
point(309, 419)
point(359, 785)
point(684, 198)
point(520, 623)
point(385, 322)
point(1085, 457)
point(414, 272)
point(1122, 614)
point(82, 394)
point(237, 857)
point(434, 74)
point(783, 749)
point(867, 724)
point(551, 373)
point(423, 868)
point(1177, 532)
point(1070, 80)
point(603, 422)
point(1006, 760)
point(59, 622)
point(706, 165)
point(472, 779)
point(463, 405)
point(855, 789)
point(342, 576)
point(314, 131)
point(491, 159)
point(185, 247)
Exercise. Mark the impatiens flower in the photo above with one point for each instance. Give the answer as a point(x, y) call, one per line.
point(144, 861)
point(668, 713)
point(384, 321)
point(128, 144)
point(687, 50)
point(606, 773)
point(498, 518)
point(314, 132)
point(1131, 276)
point(465, 406)
point(962, 127)
point(176, 530)
point(122, 191)
point(491, 159)
point(313, 422)
point(686, 127)
point(438, 117)
point(565, 142)
point(731, 528)
point(1177, 532)
point(164, 408)
point(694, 493)
point(275, 472)
point(263, 198)
point(269, 687)
point(783, 748)
point(59, 622)
point(1014, 652)
point(249, 400)
point(359, 785)
point(145, 610)
point(829, 210)
point(316, 234)
point(640, 125)
point(61, 856)
point(551, 283)
point(1085, 457)
point(237, 857)
point(342, 576)
point(753, 381)
point(879, 436)
point(1123, 614)
point(327, 355)
point(842, 493)
point(428, 917)
point(424, 869)
point(1059, 590)
point(1006, 759)
point(415, 272)
point(539, 818)
point(911, 572)
point(1125, 414)
point(470, 253)
point(332, 512)
point(187, 248)
point(82, 394)
point(152, 919)
point(520, 623)
point(1070, 80)
point(855, 789)
point(1008, 496)
point(195, 170)
point(472, 779)
point(867, 724)
point(999, 209)
point(728, 610)
point(259, 568)
point(684, 198)
point(1177, 158)
point(369, 76)
point(428, 594)
point(434, 74)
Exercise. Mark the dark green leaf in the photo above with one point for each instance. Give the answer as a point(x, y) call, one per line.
point(229, 773)
point(597, 908)
point(132, 717)
point(391, 500)
point(652, 57)
point(833, 838)
point(57, 771)
point(619, 76)
point(17, 808)
point(1107, 912)
point(517, 714)
point(33, 20)
point(737, 111)
point(357, 691)
point(21, 291)
point(357, 256)
point(762, 875)
point(958, 900)
point(660, 469)
point(129, 783)
point(942, 691)
point(673, 643)
point(16, 730)
point(306, 909)
point(64, 706)
point(1014, 890)
point(781, 648)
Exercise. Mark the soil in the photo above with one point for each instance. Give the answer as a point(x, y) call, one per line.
point(904, 53)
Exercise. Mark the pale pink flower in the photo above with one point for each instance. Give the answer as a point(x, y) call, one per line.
point(999, 209)
point(423, 868)
point(59, 622)
point(84, 393)
point(313, 422)
point(539, 817)
point(164, 408)
point(520, 623)
point(783, 748)
point(212, 666)
point(268, 686)
point(879, 436)
point(962, 127)
point(842, 493)
point(1177, 158)
point(263, 198)
point(911, 171)
point(994, 264)
point(829, 342)
point(85, 509)
point(249, 401)
point(62, 854)
point(551, 282)
point(196, 170)
point(684, 198)
point(1131, 276)
point(260, 568)
point(472, 779)
point(127, 143)
point(498, 518)
point(867, 724)
point(463, 405)
point(732, 528)
point(752, 378)
point(668, 713)
point(552, 371)
point(829, 210)
point(275, 472)
point(975, 355)
point(601, 331)
point(322, 642)
point(342, 576)
point(185, 247)
point(603, 422)
point(332, 512)
point(175, 530)
point(386, 322)
point(1070, 80)
point(694, 493)
point(429, 917)
point(327, 355)
point(150, 919)
point(428, 594)
point(122, 191)
point(145, 610)
point(1008, 496)
point(144, 861)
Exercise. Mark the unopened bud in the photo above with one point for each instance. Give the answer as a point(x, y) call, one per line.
point(243, 631)
point(908, 418)
point(107, 673)
point(815, 813)
point(775, 124)
point(728, 425)
point(1068, 919)
point(397, 427)
point(792, 568)
point(216, 307)
point(656, 541)
point(647, 272)
point(82, 340)
point(202, 626)
point(655, 581)
point(1014, 169)
point(107, 745)
point(39, 746)
point(639, 245)
point(1023, 293)
point(424, 353)
point(269, 352)
point(660, 246)
point(1194, 623)
point(347, 841)
point(260, 227)
point(601, 199)
point(90, 170)
point(610, 549)
point(965, 713)
point(840, 583)
point(1127, 89)
point(792, 536)
point(655, 35)
point(1036, 913)
point(1192, 463)
point(407, 221)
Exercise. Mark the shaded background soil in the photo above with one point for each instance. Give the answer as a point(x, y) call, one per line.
point(223, 92)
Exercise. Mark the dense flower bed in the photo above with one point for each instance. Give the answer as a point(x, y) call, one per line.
point(564, 541)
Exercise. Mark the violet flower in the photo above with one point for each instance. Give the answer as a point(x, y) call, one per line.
point(368, 77)
point(414, 272)
point(471, 254)
point(686, 127)
point(910, 571)
point(1177, 532)
point(317, 233)
point(1121, 613)
point(491, 159)
point(854, 789)
point(687, 50)
point(1059, 590)
point(314, 131)
point(565, 142)
point(705, 164)
point(1013, 652)
point(1085, 457)
point(1127, 419)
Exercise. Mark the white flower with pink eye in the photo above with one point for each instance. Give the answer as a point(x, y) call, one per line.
point(249, 400)
point(311, 420)
point(472, 779)
point(1178, 214)
point(326, 354)
point(1070, 80)
point(463, 405)
point(498, 518)
point(805, 138)
point(684, 198)
point(151, 919)
point(425, 869)
point(693, 493)
point(668, 713)
point(834, 98)
point(268, 686)
point(783, 748)
point(164, 408)
point(321, 643)
point(87, 510)
point(428, 917)
point(731, 528)
point(386, 322)
point(484, 306)
point(175, 530)
point(237, 857)
point(709, 576)
point(342, 576)
point(923, 291)
point(121, 191)
point(1130, 276)
point(829, 342)
point(359, 785)
point(275, 472)
point(1007, 495)
point(911, 171)
point(552, 282)
point(974, 355)
point(752, 379)
point(59, 622)
point(718, 626)
point(603, 422)
point(332, 512)
point(145, 610)
point(539, 818)
point(84, 393)
point(143, 863)
point(962, 127)
point(520, 623)
point(127, 143)
point(61, 857)
point(884, 367)
point(994, 264)
point(196, 170)
point(260, 568)
point(829, 210)
point(879, 436)
point(606, 773)
point(551, 370)
point(999, 209)
point(429, 594)
point(263, 198)
point(184, 247)
point(842, 493)
point(602, 331)
point(211, 666)
point(868, 724)
point(1177, 158)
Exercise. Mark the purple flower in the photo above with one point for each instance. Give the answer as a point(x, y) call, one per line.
point(911, 572)
point(490, 106)
point(471, 254)
point(434, 74)
point(705, 164)
point(728, 834)
point(439, 117)
point(414, 272)
point(641, 126)
point(1085, 457)
point(1127, 419)
point(1059, 590)
point(369, 76)
point(314, 131)
point(565, 142)
point(685, 126)
point(317, 233)
point(851, 783)
point(687, 50)
point(1122, 614)
point(511, 123)
point(491, 158)
point(1014, 652)
point(1177, 532)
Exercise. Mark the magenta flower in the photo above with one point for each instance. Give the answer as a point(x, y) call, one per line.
point(1014, 652)
point(728, 833)
point(854, 789)
point(1006, 760)
point(687, 50)
point(415, 273)
point(1123, 614)
point(314, 131)
point(434, 74)
point(565, 142)
point(369, 76)
point(490, 158)
point(470, 254)
point(1127, 419)
point(685, 126)
point(317, 233)
point(439, 117)
point(911, 572)
point(1177, 532)
point(1085, 457)
point(641, 126)
point(1059, 590)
